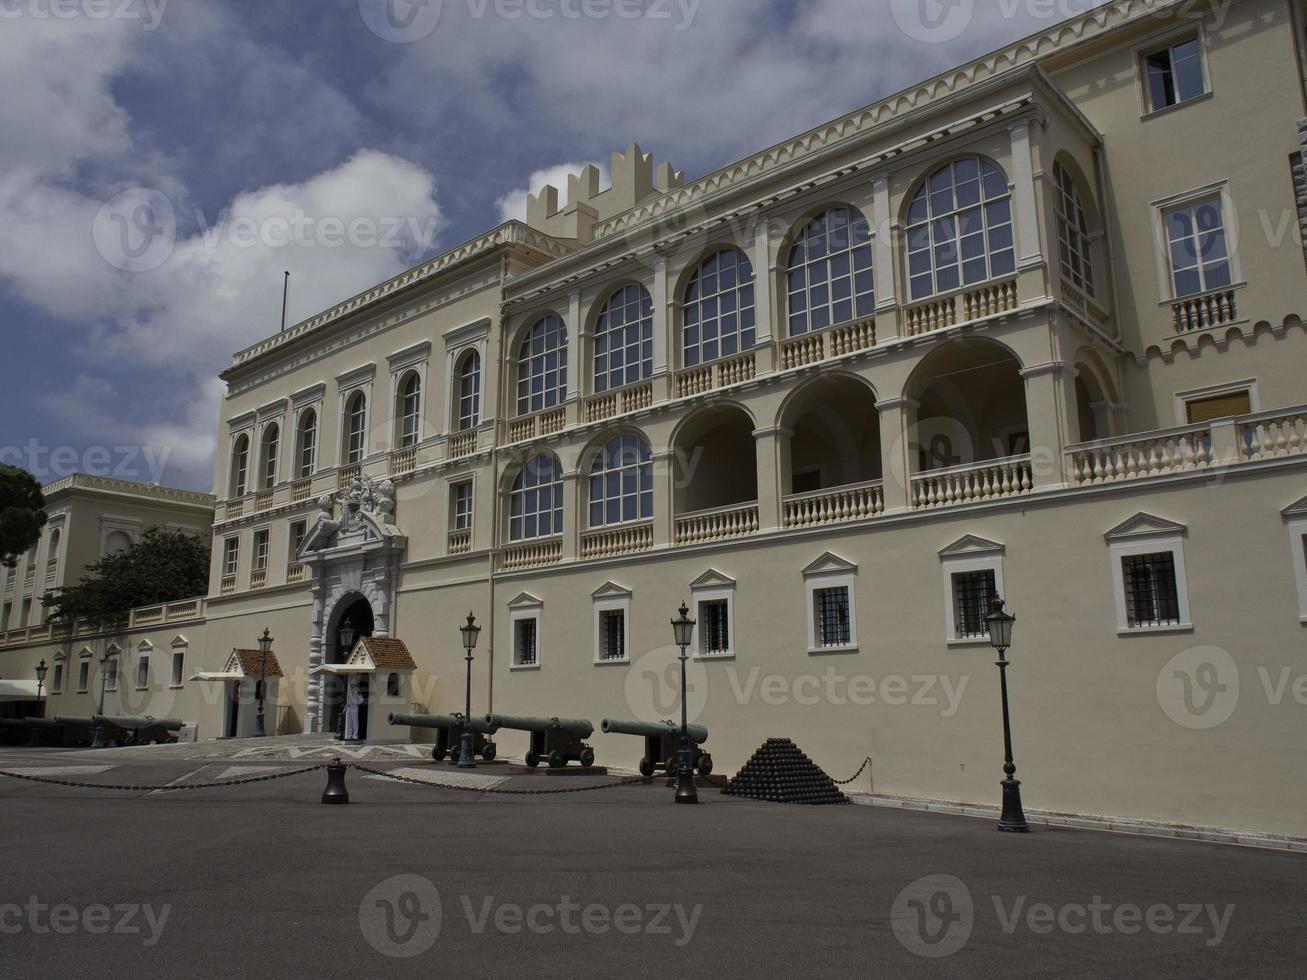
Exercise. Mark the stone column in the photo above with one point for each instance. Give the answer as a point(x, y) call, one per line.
point(887, 231)
point(1051, 416)
point(573, 518)
point(898, 421)
point(665, 477)
point(764, 279)
point(313, 712)
point(770, 480)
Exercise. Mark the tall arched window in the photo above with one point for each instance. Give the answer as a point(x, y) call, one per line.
point(52, 553)
point(469, 392)
point(306, 450)
point(542, 367)
point(240, 466)
point(409, 411)
point(960, 228)
point(1073, 243)
point(268, 457)
point(830, 269)
point(624, 339)
point(621, 482)
point(536, 501)
point(718, 308)
point(356, 428)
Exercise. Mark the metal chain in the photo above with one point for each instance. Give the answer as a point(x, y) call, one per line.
point(845, 782)
point(150, 789)
point(500, 792)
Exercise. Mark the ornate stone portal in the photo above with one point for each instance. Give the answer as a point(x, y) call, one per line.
point(354, 550)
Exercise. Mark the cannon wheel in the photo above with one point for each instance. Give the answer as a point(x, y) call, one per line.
point(453, 754)
point(488, 753)
point(438, 755)
point(532, 759)
point(705, 765)
point(646, 769)
point(557, 760)
point(587, 757)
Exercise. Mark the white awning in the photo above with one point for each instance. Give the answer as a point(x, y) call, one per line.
point(19, 690)
point(343, 670)
point(207, 676)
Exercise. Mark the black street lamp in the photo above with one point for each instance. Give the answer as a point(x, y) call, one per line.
point(683, 629)
point(467, 756)
point(346, 635)
point(100, 742)
point(260, 693)
point(999, 622)
point(34, 739)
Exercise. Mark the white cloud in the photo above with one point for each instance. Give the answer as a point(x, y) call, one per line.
point(512, 206)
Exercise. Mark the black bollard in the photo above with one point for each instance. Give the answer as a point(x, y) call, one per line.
point(336, 791)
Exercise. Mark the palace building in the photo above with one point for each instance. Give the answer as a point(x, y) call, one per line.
point(1031, 328)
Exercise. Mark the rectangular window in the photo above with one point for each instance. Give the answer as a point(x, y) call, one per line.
point(1196, 247)
point(143, 670)
point(231, 556)
point(831, 616)
point(6, 615)
point(525, 637)
point(84, 674)
point(714, 627)
point(1198, 410)
point(57, 682)
point(1174, 74)
point(178, 667)
point(972, 592)
point(111, 674)
point(261, 548)
point(612, 634)
point(1151, 594)
point(462, 494)
point(298, 530)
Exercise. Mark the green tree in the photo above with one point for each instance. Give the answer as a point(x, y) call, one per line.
point(164, 566)
point(22, 513)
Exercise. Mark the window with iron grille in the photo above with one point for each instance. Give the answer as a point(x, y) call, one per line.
point(463, 506)
point(1151, 595)
point(972, 592)
point(714, 627)
point(612, 634)
point(525, 633)
point(831, 609)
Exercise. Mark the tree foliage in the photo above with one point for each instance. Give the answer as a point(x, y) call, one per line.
point(163, 566)
point(22, 513)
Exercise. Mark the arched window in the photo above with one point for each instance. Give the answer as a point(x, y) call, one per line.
point(542, 367)
point(410, 411)
point(536, 501)
point(52, 553)
point(621, 482)
point(392, 685)
point(960, 228)
point(268, 467)
point(624, 339)
point(306, 452)
point(117, 543)
point(356, 428)
point(469, 392)
point(718, 308)
point(240, 466)
point(1073, 243)
point(830, 268)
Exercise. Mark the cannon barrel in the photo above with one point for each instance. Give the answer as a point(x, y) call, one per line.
point(40, 722)
point(610, 726)
point(573, 726)
point(453, 722)
point(75, 721)
point(136, 724)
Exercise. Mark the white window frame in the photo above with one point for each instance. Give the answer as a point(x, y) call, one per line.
point(971, 554)
point(260, 560)
point(1162, 248)
point(177, 677)
point(712, 586)
point(1296, 518)
point(830, 572)
point(231, 556)
point(610, 598)
point(261, 468)
point(454, 487)
point(112, 667)
point(59, 676)
point(143, 652)
point(84, 668)
point(1168, 41)
point(1146, 535)
point(525, 607)
point(1183, 398)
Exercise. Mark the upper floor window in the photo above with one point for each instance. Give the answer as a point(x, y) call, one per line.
point(462, 498)
point(306, 452)
point(231, 556)
point(542, 367)
point(271, 445)
point(960, 228)
point(1174, 74)
point(356, 428)
point(830, 272)
point(1196, 247)
point(240, 466)
point(718, 308)
point(1073, 243)
point(621, 482)
point(536, 501)
point(410, 411)
point(624, 339)
point(469, 392)
point(57, 680)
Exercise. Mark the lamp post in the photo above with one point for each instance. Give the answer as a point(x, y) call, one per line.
point(346, 635)
point(467, 755)
point(683, 630)
point(34, 739)
point(260, 693)
point(100, 741)
point(999, 622)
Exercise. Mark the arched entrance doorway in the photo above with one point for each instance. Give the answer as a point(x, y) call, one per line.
point(352, 620)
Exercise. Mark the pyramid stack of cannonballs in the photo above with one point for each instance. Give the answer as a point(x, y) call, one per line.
point(780, 773)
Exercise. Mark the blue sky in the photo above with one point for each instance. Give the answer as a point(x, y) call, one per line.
point(162, 161)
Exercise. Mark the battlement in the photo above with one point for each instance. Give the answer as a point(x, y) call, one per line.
point(635, 180)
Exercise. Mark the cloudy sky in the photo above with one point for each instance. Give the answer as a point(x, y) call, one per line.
point(162, 161)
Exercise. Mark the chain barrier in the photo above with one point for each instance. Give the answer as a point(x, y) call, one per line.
point(500, 792)
point(268, 777)
point(845, 782)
